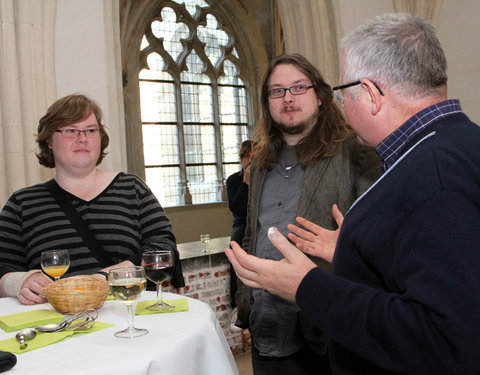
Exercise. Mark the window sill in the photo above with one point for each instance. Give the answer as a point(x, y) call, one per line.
point(189, 207)
point(195, 249)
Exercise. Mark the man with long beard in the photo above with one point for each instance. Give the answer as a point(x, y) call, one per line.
point(305, 159)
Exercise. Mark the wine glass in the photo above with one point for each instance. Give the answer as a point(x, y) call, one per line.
point(158, 266)
point(127, 284)
point(205, 239)
point(55, 262)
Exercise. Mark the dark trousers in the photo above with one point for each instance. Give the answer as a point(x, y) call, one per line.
point(233, 287)
point(304, 362)
point(237, 236)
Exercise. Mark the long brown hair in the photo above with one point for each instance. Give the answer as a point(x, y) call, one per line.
point(322, 142)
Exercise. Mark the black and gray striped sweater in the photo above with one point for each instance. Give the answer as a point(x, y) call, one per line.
point(124, 218)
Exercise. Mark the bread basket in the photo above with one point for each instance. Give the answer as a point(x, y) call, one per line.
point(77, 293)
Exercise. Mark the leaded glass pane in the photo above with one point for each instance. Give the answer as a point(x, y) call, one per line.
point(190, 5)
point(155, 64)
point(195, 68)
point(233, 104)
point(144, 43)
point(230, 76)
point(200, 123)
point(229, 169)
point(203, 184)
point(197, 103)
point(199, 144)
point(160, 144)
point(232, 138)
point(171, 32)
point(165, 184)
point(157, 102)
point(213, 37)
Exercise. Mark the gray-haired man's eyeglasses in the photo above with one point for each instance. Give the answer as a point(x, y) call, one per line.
point(340, 95)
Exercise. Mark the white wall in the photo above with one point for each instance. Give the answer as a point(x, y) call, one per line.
point(353, 13)
point(82, 66)
point(458, 30)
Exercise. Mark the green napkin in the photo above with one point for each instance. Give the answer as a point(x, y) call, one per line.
point(27, 319)
point(180, 304)
point(46, 338)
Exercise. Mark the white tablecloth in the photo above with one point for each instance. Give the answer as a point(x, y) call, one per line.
point(183, 343)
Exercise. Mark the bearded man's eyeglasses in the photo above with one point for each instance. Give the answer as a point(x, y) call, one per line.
point(279, 92)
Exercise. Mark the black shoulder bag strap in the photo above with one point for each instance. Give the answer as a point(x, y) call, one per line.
point(81, 227)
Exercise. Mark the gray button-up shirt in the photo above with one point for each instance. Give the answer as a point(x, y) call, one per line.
point(273, 320)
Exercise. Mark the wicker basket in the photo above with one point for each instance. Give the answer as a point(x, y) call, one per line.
point(77, 293)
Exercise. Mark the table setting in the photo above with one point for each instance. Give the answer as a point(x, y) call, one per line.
point(91, 333)
point(185, 340)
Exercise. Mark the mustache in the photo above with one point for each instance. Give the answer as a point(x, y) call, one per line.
point(290, 108)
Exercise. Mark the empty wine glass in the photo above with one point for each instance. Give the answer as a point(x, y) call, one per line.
point(55, 262)
point(205, 239)
point(158, 266)
point(127, 284)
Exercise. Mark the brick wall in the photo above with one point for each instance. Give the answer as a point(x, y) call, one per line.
point(210, 282)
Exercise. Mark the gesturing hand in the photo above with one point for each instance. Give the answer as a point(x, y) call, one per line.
point(246, 175)
point(315, 240)
point(278, 277)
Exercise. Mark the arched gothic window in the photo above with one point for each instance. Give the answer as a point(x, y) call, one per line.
point(194, 103)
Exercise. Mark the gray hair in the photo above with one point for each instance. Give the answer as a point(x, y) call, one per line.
point(399, 51)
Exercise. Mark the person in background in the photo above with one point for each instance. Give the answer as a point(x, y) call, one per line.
point(119, 209)
point(237, 192)
point(237, 197)
point(305, 159)
point(404, 296)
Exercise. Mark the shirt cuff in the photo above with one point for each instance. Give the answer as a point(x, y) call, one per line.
point(11, 283)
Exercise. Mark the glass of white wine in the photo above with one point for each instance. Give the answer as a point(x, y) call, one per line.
point(55, 262)
point(127, 284)
point(205, 239)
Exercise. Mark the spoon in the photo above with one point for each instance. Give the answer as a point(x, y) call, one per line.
point(25, 334)
point(52, 327)
point(66, 323)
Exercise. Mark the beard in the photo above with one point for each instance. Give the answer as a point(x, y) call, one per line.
point(292, 129)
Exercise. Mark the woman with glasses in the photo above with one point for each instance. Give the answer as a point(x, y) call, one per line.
point(120, 212)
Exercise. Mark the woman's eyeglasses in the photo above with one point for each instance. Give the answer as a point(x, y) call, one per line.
point(75, 133)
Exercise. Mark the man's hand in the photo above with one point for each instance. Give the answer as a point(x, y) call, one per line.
point(278, 277)
point(315, 240)
point(246, 175)
point(32, 288)
point(125, 263)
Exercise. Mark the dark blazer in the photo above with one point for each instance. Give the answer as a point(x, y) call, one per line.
point(407, 263)
point(336, 180)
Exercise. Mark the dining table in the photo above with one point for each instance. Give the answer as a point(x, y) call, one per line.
point(184, 343)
